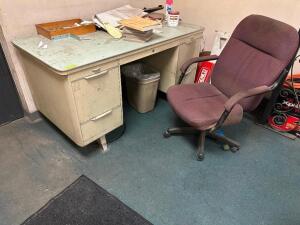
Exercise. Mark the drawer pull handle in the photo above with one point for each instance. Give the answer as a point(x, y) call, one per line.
point(96, 70)
point(102, 115)
point(96, 75)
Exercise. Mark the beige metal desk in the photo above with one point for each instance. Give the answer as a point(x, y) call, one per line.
point(76, 84)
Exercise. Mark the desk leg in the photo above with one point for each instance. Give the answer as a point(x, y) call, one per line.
point(103, 143)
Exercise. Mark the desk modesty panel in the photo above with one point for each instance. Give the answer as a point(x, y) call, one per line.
point(76, 84)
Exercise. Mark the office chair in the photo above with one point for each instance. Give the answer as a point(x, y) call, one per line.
point(255, 61)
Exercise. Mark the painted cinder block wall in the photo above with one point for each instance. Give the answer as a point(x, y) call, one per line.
point(224, 15)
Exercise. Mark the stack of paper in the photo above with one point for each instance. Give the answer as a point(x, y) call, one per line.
point(141, 24)
point(135, 35)
point(139, 29)
point(113, 17)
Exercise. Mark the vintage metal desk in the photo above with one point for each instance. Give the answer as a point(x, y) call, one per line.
point(77, 85)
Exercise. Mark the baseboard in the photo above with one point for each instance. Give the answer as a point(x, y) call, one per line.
point(33, 117)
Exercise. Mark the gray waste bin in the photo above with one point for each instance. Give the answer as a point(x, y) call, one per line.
point(142, 84)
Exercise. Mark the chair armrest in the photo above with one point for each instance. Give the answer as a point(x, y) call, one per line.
point(187, 64)
point(233, 100)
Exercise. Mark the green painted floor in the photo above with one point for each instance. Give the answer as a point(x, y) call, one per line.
point(157, 177)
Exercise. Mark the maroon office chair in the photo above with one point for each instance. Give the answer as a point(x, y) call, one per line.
point(255, 61)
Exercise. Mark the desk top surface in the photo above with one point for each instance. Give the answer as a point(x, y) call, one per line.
point(69, 53)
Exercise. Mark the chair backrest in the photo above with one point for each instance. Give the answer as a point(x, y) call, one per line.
point(259, 49)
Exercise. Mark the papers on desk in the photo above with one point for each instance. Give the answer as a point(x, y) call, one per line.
point(139, 29)
point(141, 24)
point(113, 17)
point(135, 35)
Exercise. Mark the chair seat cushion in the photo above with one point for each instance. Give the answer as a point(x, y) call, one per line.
point(201, 105)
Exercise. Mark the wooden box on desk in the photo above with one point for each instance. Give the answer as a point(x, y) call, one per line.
point(52, 29)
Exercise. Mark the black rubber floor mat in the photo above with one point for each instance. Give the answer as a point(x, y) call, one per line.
point(85, 203)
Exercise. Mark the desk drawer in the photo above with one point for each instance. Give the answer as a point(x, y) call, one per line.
point(148, 52)
point(97, 93)
point(187, 50)
point(102, 124)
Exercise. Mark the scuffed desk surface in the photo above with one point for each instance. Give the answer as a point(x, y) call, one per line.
point(66, 54)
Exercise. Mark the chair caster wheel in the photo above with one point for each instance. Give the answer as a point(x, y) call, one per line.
point(234, 149)
point(167, 134)
point(200, 157)
point(226, 147)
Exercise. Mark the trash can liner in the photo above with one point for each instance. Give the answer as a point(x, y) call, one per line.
point(140, 71)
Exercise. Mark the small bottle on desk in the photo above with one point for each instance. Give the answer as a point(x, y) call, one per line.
point(169, 6)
